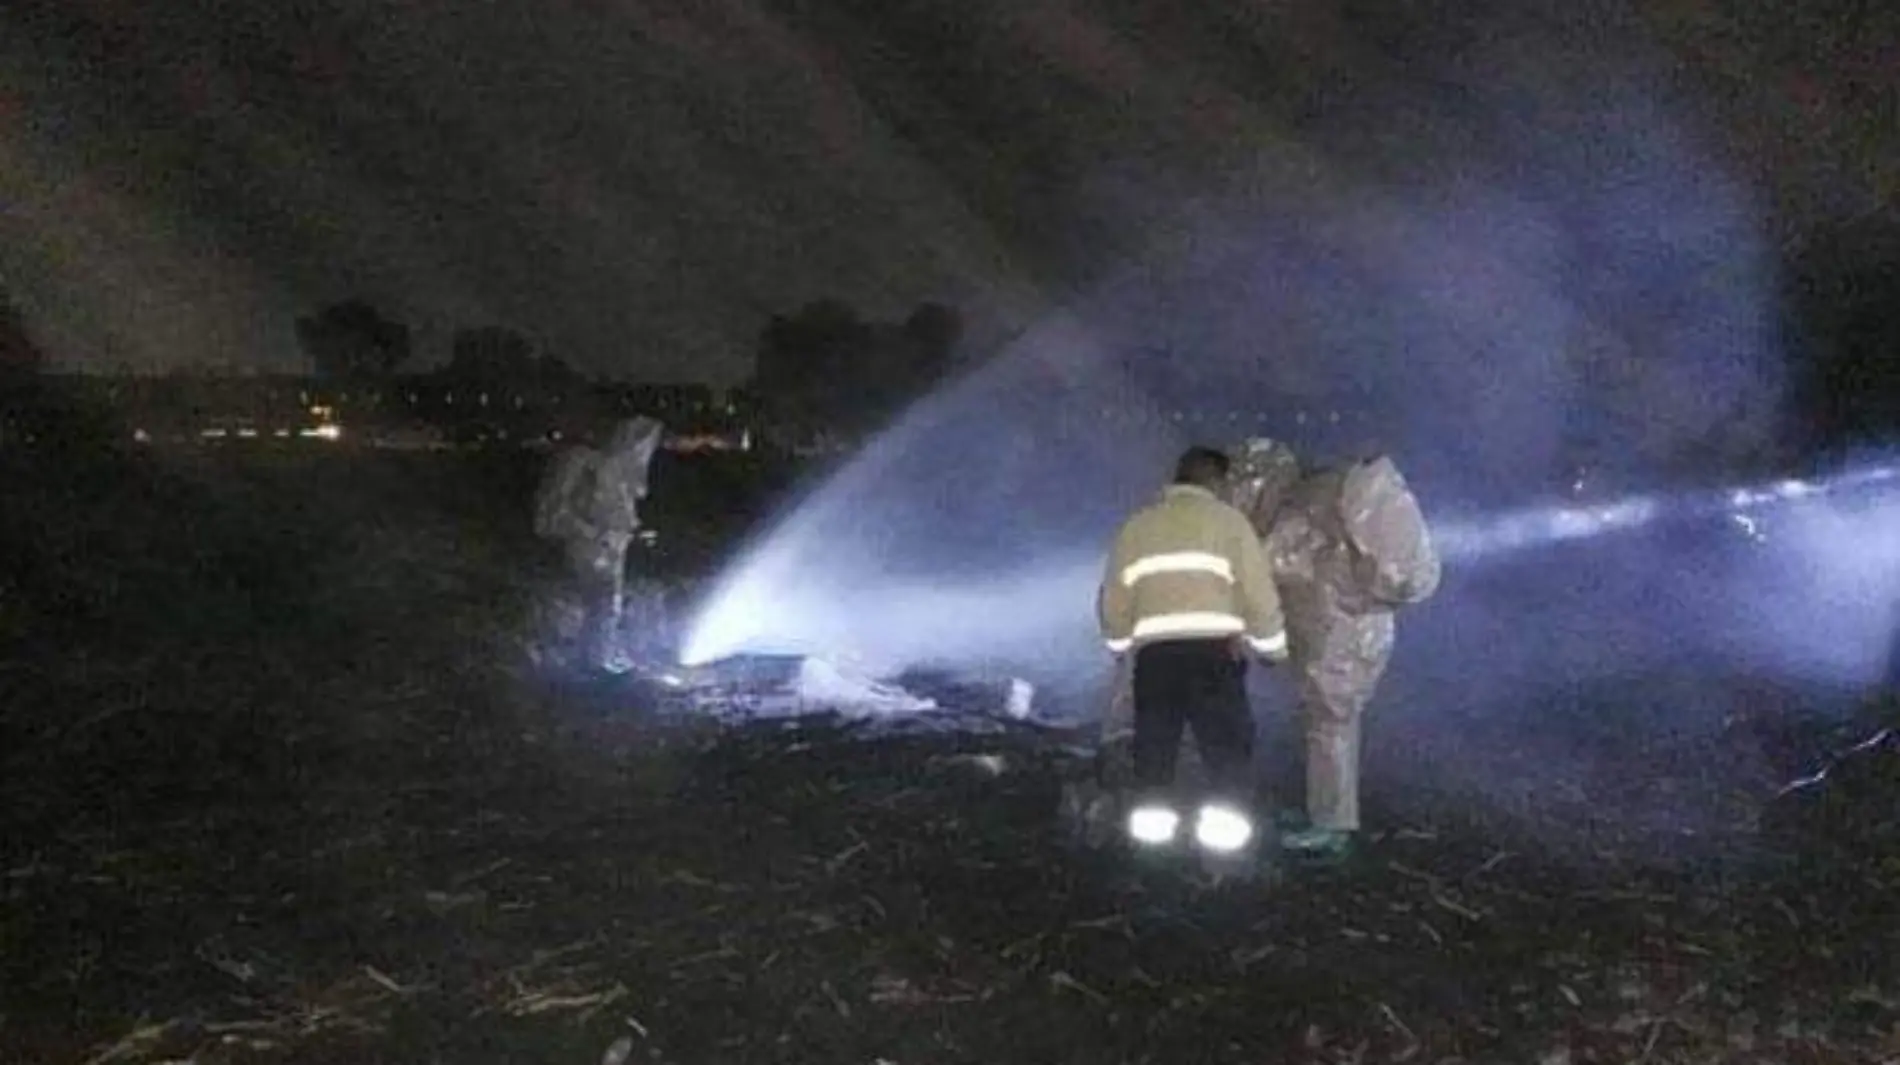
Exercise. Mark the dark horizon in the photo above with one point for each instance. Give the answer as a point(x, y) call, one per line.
point(640, 190)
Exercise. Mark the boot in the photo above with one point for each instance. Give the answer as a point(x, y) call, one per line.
point(1290, 819)
point(1318, 843)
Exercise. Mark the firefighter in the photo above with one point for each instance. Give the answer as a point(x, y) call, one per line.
point(1349, 547)
point(588, 503)
point(1189, 596)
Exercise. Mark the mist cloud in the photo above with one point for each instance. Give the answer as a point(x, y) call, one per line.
point(1586, 288)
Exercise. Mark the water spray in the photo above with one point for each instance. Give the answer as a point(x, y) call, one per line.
point(1575, 301)
point(1488, 538)
point(884, 626)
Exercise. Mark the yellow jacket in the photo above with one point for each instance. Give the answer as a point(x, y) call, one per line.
point(1190, 567)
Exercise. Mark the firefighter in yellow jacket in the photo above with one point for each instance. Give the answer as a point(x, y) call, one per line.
point(1189, 594)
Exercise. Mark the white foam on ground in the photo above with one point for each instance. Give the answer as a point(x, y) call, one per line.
point(1022, 695)
point(820, 683)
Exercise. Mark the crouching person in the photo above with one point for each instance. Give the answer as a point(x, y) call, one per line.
point(1189, 596)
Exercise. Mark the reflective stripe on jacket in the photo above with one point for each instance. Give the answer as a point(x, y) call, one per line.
point(1189, 567)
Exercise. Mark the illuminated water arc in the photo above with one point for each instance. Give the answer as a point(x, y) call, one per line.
point(1489, 537)
point(744, 615)
point(1486, 537)
point(758, 608)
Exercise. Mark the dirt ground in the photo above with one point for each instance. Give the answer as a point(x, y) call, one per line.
point(277, 785)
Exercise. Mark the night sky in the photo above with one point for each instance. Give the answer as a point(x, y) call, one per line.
point(639, 184)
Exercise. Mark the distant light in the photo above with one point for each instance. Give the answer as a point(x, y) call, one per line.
point(141, 436)
point(247, 433)
point(322, 432)
point(1153, 825)
point(212, 434)
point(1222, 828)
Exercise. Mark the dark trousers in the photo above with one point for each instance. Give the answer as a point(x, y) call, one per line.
point(1199, 685)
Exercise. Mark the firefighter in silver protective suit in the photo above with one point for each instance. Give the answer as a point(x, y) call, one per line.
point(588, 503)
point(1349, 547)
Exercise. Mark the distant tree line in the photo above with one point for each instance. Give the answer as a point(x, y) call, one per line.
point(43, 418)
point(825, 368)
point(822, 368)
point(1842, 298)
point(821, 371)
point(19, 356)
point(353, 342)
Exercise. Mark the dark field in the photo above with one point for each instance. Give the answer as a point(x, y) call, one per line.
point(278, 783)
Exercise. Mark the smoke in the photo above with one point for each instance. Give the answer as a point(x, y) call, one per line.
point(968, 535)
point(1584, 290)
point(1820, 598)
point(1641, 675)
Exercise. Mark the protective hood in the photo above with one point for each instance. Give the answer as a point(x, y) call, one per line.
point(1358, 533)
point(1263, 475)
point(587, 493)
point(629, 453)
point(1393, 553)
point(621, 478)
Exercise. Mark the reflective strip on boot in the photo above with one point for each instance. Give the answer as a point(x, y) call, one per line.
point(1153, 824)
point(1222, 828)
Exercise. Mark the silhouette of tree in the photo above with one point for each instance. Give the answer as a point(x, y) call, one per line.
point(922, 352)
point(48, 417)
point(810, 365)
point(353, 341)
point(938, 329)
point(1844, 300)
point(826, 368)
point(19, 356)
point(497, 355)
